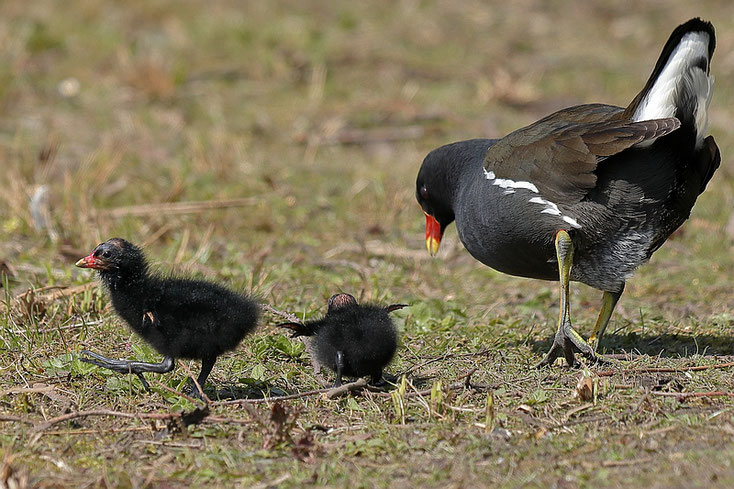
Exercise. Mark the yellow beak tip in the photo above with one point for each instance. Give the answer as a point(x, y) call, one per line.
point(432, 246)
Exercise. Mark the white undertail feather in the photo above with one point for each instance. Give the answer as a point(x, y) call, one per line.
point(680, 77)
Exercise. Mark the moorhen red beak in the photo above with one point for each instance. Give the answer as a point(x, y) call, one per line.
point(587, 193)
point(434, 233)
point(90, 261)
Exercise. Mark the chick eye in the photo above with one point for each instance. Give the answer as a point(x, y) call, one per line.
point(106, 254)
point(424, 192)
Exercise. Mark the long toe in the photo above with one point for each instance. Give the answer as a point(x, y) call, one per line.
point(576, 343)
point(555, 351)
point(566, 342)
point(379, 382)
point(119, 366)
point(193, 391)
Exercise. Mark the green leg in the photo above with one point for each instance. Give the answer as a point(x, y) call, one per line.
point(608, 302)
point(567, 339)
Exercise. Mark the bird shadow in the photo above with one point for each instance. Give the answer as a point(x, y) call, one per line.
point(230, 391)
point(665, 345)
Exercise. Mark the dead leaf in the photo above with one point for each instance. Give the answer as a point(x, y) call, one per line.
point(304, 448)
point(525, 408)
point(6, 269)
point(585, 388)
point(9, 476)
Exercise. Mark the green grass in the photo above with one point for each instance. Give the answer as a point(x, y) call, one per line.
point(209, 101)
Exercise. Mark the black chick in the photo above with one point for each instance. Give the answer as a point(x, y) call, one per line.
point(352, 340)
point(179, 317)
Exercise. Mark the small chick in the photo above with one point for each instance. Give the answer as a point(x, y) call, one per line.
point(352, 340)
point(179, 317)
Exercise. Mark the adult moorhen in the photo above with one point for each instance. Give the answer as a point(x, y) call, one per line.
point(352, 339)
point(179, 317)
point(587, 193)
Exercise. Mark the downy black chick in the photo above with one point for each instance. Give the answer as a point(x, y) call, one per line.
point(352, 340)
point(179, 317)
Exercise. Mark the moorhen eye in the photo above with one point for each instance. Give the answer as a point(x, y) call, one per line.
point(351, 339)
point(106, 254)
point(588, 193)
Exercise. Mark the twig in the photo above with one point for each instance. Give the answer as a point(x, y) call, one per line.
point(286, 315)
point(179, 394)
point(171, 208)
point(578, 409)
point(262, 400)
point(346, 388)
point(97, 431)
point(186, 368)
point(609, 373)
point(219, 419)
point(38, 427)
point(467, 378)
point(626, 463)
point(446, 356)
point(591, 419)
point(197, 416)
point(60, 291)
point(27, 390)
point(69, 291)
point(623, 356)
point(14, 419)
point(352, 386)
point(685, 395)
point(464, 384)
point(69, 326)
point(46, 288)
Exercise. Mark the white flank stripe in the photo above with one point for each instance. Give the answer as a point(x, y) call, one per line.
point(507, 183)
point(510, 185)
point(572, 222)
point(553, 210)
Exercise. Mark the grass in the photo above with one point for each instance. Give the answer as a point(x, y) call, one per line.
point(317, 116)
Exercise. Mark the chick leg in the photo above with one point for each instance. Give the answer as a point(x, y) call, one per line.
point(129, 366)
point(567, 339)
point(339, 368)
point(378, 380)
point(206, 367)
point(608, 302)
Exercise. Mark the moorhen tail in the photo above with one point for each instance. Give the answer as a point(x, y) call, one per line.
point(352, 340)
point(179, 317)
point(588, 193)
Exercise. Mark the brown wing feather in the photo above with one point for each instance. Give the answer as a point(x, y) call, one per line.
point(560, 153)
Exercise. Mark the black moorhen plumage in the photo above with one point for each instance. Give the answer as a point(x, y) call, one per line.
point(353, 339)
point(179, 317)
point(587, 193)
